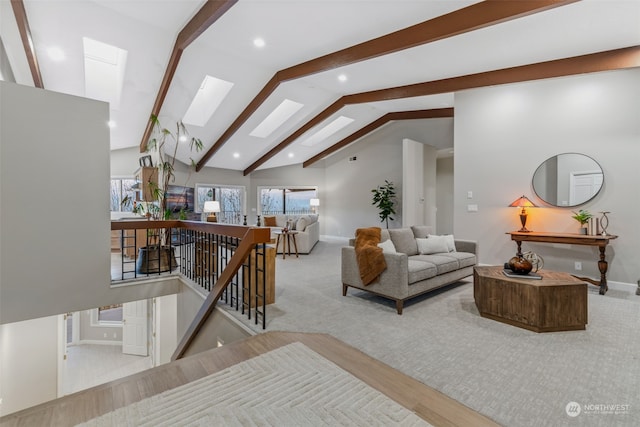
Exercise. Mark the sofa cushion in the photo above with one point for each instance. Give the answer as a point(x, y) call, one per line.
point(448, 239)
point(421, 231)
point(384, 235)
point(404, 241)
point(387, 246)
point(301, 224)
point(431, 246)
point(443, 262)
point(281, 220)
point(465, 259)
point(269, 221)
point(420, 270)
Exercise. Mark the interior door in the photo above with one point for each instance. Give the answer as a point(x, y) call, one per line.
point(134, 328)
point(583, 186)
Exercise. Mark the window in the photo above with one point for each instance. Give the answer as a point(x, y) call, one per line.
point(109, 315)
point(231, 198)
point(120, 189)
point(286, 200)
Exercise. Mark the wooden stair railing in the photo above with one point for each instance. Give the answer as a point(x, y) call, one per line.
point(251, 237)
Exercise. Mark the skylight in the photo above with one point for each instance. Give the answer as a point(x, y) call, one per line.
point(209, 97)
point(276, 118)
point(327, 131)
point(104, 67)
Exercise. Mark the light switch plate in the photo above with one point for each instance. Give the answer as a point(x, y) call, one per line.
point(472, 208)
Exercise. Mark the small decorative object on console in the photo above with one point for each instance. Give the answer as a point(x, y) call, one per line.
point(520, 265)
point(582, 216)
point(604, 222)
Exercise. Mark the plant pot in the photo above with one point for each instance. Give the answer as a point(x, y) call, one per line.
point(582, 230)
point(154, 259)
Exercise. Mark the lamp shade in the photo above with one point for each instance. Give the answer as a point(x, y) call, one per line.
point(314, 202)
point(522, 202)
point(211, 206)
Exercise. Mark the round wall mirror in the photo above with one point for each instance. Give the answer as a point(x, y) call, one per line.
point(568, 180)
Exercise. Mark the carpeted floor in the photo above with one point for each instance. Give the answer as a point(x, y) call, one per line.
point(290, 386)
point(514, 376)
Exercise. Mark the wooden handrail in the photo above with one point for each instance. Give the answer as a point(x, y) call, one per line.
point(249, 236)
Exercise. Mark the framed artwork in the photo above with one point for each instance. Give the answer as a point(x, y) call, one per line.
point(145, 161)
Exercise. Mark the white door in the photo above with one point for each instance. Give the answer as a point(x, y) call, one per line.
point(583, 186)
point(134, 328)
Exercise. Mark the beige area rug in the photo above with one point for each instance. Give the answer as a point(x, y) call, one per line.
point(289, 386)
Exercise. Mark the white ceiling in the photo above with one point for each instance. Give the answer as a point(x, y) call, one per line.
point(296, 31)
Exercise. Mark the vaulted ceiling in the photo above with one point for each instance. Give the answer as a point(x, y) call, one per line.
point(356, 65)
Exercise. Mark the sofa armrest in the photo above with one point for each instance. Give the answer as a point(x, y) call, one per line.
point(393, 282)
point(470, 246)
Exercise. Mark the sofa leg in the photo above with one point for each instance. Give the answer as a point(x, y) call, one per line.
point(344, 289)
point(399, 305)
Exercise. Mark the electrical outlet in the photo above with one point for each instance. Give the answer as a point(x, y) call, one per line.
point(105, 335)
point(577, 266)
point(115, 335)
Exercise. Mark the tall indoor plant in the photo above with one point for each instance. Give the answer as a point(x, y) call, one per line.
point(159, 256)
point(384, 198)
point(163, 140)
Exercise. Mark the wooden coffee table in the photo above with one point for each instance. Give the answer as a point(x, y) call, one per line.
point(557, 302)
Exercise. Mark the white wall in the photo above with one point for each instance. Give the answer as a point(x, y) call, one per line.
point(347, 205)
point(54, 158)
point(166, 328)
point(503, 133)
point(28, 363)
point(444, 195)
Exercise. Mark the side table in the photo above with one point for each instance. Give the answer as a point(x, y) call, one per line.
point(287, 236)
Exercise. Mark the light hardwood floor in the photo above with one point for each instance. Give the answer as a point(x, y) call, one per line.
point(429, 404)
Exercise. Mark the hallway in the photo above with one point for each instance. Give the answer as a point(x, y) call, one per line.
point(88, 365)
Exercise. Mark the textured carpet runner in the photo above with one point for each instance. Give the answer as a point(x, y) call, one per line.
point(289, 386)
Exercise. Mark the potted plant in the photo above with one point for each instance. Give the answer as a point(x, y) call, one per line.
point(582, 216)
point(384, 198)
point(165, 144)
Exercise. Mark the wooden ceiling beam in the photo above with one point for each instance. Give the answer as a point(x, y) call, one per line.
point(389, 117)
point(27, 41)
point(590, 63)
point(209, 13)
point(473, 17)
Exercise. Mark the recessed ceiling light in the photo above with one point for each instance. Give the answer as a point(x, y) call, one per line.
point(56, 54)
point(290, 155)
point(111, 124)
point(342, 78)
point(183, 138)
point(276, 118)
point(236, 155)
point(258, 42)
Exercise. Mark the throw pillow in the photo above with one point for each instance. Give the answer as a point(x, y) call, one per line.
point(403, 240)
point(270, 221)
point(301, 224)
point(387, 246)
point(432, 245)
point(451, 244)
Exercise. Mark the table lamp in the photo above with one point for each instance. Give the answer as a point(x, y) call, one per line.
point(212, 206)
point(523, 202)
point(314, 203)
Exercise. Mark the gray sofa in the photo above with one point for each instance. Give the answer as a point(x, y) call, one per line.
point(409, 272)
point(308, 231)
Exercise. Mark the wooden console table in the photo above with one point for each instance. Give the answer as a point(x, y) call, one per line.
point(571, 239)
